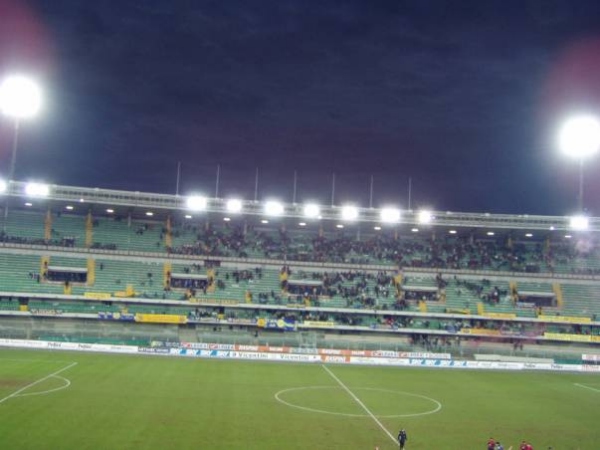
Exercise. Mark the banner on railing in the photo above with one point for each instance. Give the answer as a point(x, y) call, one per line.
point(160, 318)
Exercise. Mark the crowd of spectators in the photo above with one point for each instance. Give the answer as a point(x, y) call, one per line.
point(443, 252)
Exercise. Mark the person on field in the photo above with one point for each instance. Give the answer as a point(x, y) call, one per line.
point(491, 444)
point(499, 446)
point(402, 438)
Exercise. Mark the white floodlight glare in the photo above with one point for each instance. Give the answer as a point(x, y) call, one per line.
point(425, 216)
point(196, 203)
point(149, 213)
point(273, 208)
point(3, 186)
point(20, 97)
point(349, 212)
point(579, 223)
point(234, 205)
point(37, 190)
point(312, 210)
point(579, 137)
point(390, 215)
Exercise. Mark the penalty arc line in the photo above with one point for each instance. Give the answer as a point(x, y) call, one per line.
point(357, 400)
point(17, 392)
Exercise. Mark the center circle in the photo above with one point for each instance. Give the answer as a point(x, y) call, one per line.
point(279, 396)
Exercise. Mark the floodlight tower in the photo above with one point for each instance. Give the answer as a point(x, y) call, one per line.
point(579, 138)
point(20, 98)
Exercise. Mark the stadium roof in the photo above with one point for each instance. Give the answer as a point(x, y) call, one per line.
point(166, 204)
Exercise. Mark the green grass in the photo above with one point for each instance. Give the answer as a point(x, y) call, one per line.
point(147, 402)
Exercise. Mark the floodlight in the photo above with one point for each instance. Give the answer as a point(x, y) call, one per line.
point(273, 208)
point(149, 213)
point(390, 215)
point(414, 230)
point(196, 203)
point(339, 225)
point(579, 223)
point(377, 228)
point(579, 137)
point(452, 231)
point(20, 97)
point(226, 219)
point(490, 233)
point(528, 235)
point(188, 216)
point(349, 212)
point(234, 205)
point(110, 211)
point(312, 210)
point(37, 190)
point(425, 216)
point(69, 208)
point(3, 186)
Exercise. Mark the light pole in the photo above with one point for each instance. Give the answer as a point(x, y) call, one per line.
point(20, 98)
point(579, 138)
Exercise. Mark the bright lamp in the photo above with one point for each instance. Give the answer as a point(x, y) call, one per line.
point(579, 223)
point(234, 205)
point(196, 203)
point(390, 215)
point(349, 212)
point(273, 208)
point(579, 137)
point(312, 210)
point(20, 97)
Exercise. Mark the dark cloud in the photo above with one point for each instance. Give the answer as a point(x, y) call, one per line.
point(451, 94)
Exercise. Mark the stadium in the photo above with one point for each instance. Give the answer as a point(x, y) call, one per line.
point(135, 316)
point(374, 302)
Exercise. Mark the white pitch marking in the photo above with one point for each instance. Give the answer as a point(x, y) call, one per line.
point(17, 392)
point(587, 387)
point(335, 413)
point(362, 405)
point(60, 388)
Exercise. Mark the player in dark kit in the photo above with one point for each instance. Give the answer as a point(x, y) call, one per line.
point(402, 438)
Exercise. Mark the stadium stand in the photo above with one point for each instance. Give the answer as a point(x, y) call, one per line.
point(55, 263)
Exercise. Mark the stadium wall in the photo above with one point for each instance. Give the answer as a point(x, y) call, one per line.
point(283, 354)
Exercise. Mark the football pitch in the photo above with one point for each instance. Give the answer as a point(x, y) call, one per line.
point(64, 400)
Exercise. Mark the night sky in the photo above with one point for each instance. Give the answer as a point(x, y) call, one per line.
point(462, 97)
